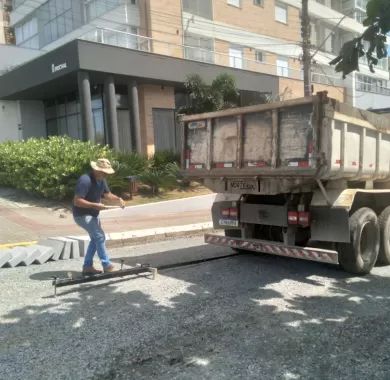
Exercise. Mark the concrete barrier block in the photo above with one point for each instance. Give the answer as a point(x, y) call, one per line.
point(32, 254)
point(75, 251)
point(83, 245)
point(5, 255)
point(45, 254)
point(57, 245)
point(83, 242)
point(67, 251)
point(17, 255)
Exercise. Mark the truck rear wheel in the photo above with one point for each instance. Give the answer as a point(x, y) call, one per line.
point(359, 256)
point(384, 226)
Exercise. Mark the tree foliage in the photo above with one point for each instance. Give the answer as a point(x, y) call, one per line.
point(220, 95)
point(372, 43)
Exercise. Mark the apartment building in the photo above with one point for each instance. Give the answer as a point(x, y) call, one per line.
point(112, 71)
point(264, 35)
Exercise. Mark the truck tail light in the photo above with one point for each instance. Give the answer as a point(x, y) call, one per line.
point(299, 217)
point(292, 217)
point(225, 212)
point(233, 212)
point(304, 218)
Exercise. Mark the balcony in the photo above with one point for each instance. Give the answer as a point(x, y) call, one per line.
point(365, 83)
point(137, 42)
point(119, 38)
point(383, 64)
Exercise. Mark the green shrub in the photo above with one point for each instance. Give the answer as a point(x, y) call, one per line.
point(162, 158)
point(49, 167)
point(163, 176)
point(126, 164)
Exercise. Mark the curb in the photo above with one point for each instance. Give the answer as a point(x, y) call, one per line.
point(20, 244)
point(73, 247)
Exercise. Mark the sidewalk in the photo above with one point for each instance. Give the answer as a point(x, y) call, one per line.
point(27, 220)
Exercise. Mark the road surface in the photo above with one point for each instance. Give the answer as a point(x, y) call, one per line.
point(246, 317)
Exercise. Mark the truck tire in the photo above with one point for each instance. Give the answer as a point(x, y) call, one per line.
point(359, 256)
point(384, 226)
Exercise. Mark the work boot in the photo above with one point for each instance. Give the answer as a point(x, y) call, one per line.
point(109, 268)
point(90, 271)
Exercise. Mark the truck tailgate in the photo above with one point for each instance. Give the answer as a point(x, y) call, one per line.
point(262, 140)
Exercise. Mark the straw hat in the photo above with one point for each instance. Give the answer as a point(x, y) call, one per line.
point(102, 165)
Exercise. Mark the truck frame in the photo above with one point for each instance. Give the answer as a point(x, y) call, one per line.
point(306, 178)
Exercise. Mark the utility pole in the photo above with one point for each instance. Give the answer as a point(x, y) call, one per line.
point(306, 58)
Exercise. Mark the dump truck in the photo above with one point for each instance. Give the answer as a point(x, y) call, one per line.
point(307, 178)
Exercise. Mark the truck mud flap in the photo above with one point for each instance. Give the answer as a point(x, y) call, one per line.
point(263, 246)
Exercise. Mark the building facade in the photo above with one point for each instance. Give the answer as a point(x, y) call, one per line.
point(112, 71)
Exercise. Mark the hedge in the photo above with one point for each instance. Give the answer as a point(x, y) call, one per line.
point(50, 167)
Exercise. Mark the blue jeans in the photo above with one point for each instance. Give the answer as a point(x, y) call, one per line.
point(97, 244)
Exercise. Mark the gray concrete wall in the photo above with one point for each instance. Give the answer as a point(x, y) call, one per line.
point(33, 118)
point(9, 121)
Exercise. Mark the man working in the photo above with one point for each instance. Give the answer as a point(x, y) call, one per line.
point(86, 207)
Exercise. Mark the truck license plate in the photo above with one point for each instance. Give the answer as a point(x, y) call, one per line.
point(241, 185)
point(228, 222)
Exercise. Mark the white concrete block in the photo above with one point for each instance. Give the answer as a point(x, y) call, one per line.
point(32, 254)
point(83, 245)
point(83, 242)
point(66, 252)
point(17, 255)
point(75, 251)
point(46, 254)
point(57, 245)
point(5, 255)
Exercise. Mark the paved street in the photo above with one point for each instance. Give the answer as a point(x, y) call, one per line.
point(245, 317)
point(25, 218)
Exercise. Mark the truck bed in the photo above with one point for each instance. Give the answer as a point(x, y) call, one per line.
point(308, 138)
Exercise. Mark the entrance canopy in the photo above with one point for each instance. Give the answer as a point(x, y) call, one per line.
point(55, 72)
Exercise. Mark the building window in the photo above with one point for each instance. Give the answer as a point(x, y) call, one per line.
point(198, 48)
point(59, 19)
point(95, 8)
point(362, 4)
point(17, 3)
point(282, 67)
point(236, 57)
point(63, 117)
point(369, 84)
point(27, 34)
point(360, 15)
point(259, 56)
point(235, 3)
point(259, 3)
point(202, 8)
point(281, 13)
point(128, 39)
